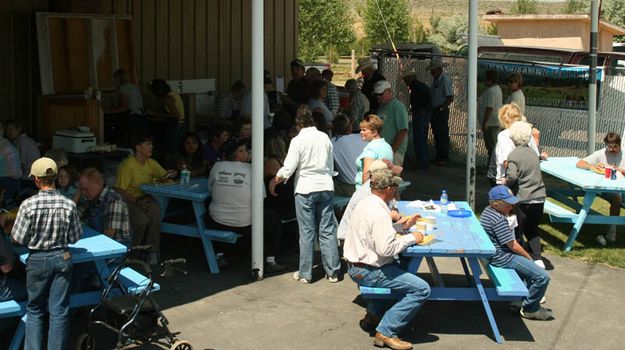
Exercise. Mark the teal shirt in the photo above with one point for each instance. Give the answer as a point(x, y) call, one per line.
point(395, 117)
point(376, 149)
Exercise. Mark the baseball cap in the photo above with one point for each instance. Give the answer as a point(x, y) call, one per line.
point(381, 86)
point(385, 164)
point(383, 178)
point(43, 167)
point(230, 146)
point(503, 193)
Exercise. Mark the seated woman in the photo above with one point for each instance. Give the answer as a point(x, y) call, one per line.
point(218, 134)
point(230, 209)
point(168, 123)
point(190, 156)
point(377, 148)
point(145, 213)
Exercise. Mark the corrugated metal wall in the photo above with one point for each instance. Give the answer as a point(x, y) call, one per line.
point(173, 39)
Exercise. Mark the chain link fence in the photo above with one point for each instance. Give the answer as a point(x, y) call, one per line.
point(563, 132)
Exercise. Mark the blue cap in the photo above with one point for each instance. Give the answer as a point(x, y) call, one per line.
point(502, 193)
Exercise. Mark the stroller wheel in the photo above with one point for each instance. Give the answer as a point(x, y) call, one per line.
point(85, 342)
point(181, 345)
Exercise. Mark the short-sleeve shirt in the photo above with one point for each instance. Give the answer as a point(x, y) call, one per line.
point(605, 157)
point(28, 151)
point(358, 106)
point(519, 98)
point(346, 149)
point(498, 230)
point(314, 104)
point(135, 99)
point(178, 105)
point(491, 98)
point(131, 174)
point(9, 160)
point(441, 88)
point(395, 117)
point(113, 212)
point(375, 149)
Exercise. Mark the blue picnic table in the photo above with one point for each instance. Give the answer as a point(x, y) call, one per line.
point(462, 238)
point(92, 247)
point(196, 192)
point(583, 183)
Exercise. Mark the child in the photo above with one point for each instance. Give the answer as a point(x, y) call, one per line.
point(510, 254)
point(191, 156)
point(66, 182)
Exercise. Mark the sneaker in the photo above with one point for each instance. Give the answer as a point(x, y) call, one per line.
point(332, 279)
point(601, 240)
point(517, 304)
point(543, 300)
point(540, 314)
point(298, 278)
point(540, 263)
point(274, 267)
point(611, 236)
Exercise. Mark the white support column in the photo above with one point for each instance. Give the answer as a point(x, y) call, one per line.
point(472, 103)
point(257, 138)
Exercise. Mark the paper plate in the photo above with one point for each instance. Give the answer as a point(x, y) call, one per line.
point(426, 240)
point(459, 213)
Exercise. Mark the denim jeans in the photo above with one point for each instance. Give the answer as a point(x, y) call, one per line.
point(535, 277)
point(420, 129)
point(440, 129)
point(415, 290)
point(315, 213)
point(48, 280)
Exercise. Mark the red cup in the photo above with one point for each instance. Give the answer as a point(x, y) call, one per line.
point(608, 173)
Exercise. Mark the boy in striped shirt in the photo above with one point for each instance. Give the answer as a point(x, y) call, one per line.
point(510, 254)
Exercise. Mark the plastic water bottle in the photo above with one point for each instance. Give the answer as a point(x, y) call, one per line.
point(185, 175)
point(444, 200)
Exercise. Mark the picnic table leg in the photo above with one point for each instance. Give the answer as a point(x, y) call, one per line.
point(463, 261)
point(436, 276)
point(198, 209)
point(589, 197)
point(475, 268)
point(163, 202)
point(413, 265)
point(18, 337)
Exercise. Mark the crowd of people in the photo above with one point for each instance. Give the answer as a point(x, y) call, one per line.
point(314, 149)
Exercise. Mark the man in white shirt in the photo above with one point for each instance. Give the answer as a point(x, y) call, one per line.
point(489, 104)
point(346, 148)
point(370, 246)
point(310, 155)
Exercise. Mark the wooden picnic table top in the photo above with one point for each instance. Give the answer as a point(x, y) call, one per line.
point(564, 168)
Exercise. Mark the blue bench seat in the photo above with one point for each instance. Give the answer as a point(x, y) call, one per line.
point(508, 284)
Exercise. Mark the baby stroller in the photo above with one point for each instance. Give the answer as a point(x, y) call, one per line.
point(134, 318)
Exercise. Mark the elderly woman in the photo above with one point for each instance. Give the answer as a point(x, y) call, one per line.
point(377, 148)
point(358, 103)
point(523, 176)
point(508, 114)
point(230, 209)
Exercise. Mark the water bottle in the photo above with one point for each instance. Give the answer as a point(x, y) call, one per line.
point(444, 200)
point(185, 175)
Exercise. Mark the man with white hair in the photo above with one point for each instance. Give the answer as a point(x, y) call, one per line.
point(370, 77)
point(395, 117)
point(524, 177)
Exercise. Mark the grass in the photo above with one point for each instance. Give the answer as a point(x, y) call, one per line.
point(586, 247)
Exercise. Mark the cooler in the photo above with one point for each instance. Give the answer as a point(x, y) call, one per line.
point(73, 140)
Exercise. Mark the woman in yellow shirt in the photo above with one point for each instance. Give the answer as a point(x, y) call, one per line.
point(170, 123)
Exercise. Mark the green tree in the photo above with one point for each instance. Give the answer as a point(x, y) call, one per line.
point(325, 28)
point(448, 32)
point(523, 7)
point(394, 13)
point(419, 33)
point(614, 12)
point(576, 6)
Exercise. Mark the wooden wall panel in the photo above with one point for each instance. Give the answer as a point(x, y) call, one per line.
point(200, 32)
point(188, 39)
point(212, 40)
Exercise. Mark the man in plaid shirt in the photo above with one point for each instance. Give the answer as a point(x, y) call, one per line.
point(104, 210)
point(47, 223)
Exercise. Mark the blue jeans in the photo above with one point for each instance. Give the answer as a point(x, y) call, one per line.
point(440, 129)
point(315, 212)
point(48, 280)
point(535, 277)
point(416, 291)
point(420, 129)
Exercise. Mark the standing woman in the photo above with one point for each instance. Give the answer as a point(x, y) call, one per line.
point(377, 148)
point(173, 126)
point(310, 159)
point(515, 81)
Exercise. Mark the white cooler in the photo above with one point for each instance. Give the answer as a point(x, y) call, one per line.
point(73, 140)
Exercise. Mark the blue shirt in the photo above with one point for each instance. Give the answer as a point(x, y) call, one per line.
point(500, 233)
point(376, 149)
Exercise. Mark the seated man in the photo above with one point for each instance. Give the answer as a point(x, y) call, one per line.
point(10, 169)
point(104, 209)
point(510, 254)
point(346, 147)
point(11, 288)
point(145, 213)
point(609, 157)
point(370, 246)
point(26, 147)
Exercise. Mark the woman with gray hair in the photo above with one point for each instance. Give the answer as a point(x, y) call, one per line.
point(523, 176)
point(358, 103)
